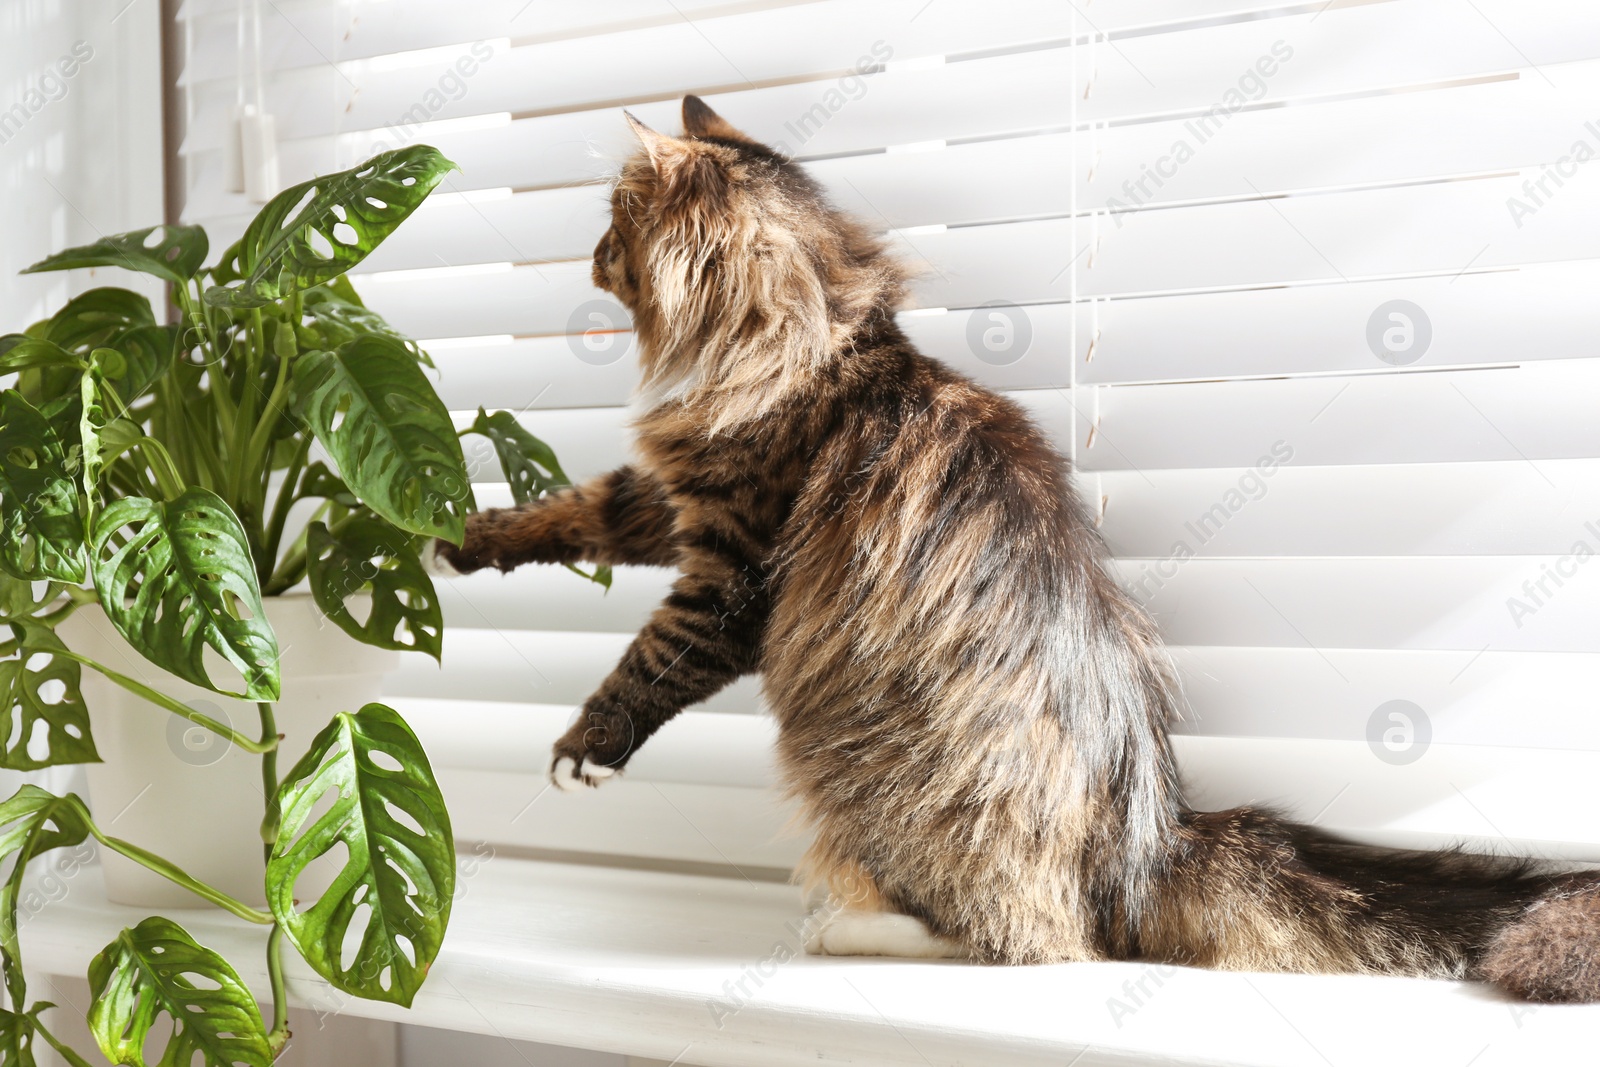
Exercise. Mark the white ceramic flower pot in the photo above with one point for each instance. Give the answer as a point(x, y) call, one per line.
point(186, 793)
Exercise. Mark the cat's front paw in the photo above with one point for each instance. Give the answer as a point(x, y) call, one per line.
point(438, 559)
point(592, 750)
point(571, 773)
point(481, 546)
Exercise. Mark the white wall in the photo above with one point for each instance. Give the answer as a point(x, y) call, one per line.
point(80, 156)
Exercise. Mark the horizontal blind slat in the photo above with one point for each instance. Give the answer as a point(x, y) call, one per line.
point(534, 666)
point(1450, 603)
point(800, 42)
point(1438, 228)
point(1505, 507)
point(1537, 411)
point(1455, 603)
point(1488, 697)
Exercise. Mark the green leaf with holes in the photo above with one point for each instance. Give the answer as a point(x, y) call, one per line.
point(319, 482)
point(40, 690)
point(17, 599)
point(337, 318)
point(41, 524)
point(393, 896)
point(19, 352)
point(388, 432)
point(315, 231)
point(175, 577)
point(371, 557)
point(90, 320)
point(172, 253)
point(32, 822)
point(16, 1040)
point(157, 969)
point(529, 464)
point(146, 355)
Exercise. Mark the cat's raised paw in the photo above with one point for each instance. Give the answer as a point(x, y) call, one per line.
point(569, 776)
point(436, 563)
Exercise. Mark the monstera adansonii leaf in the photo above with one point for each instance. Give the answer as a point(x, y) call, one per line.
point(393, 896)
point(157, 969)
point(41, 526)
point(19, 352)
point(19, 599)
point(92, 319)
point(175, 576)
point(371, 555)
point(32, 822)
point(388, 432)
point(315, 231)
point(529, 464)
point(39, 691)
point(338, 316)
point(136, 360)
point(172, 253)
point(16, 1040)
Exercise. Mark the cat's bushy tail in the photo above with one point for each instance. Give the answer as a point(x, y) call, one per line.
point(1248, 890)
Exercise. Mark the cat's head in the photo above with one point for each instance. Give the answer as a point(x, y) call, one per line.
point(730, 260)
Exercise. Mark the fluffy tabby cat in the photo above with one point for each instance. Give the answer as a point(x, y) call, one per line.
point(972, 713)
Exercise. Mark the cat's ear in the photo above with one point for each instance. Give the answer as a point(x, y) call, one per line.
point(663, 151)
point(684, 169)
point(700, 121)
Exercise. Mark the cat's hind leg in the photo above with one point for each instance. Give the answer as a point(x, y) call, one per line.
point(853, 932)
point(857, 921)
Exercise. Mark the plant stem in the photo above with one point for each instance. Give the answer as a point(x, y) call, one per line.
point(161, 699)
point(280, 507)
point(77, 597)
point(178, 876)
point(239, 468)
point(167, 869)
point(166, 473)
point(56, 1043)
point(269, 777)
point(293, 566)
point(279, 1035)
point(262, 434)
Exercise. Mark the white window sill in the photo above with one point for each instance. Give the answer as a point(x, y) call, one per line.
point(649, 964)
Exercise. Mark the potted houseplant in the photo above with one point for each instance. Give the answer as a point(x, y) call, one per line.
point(162, 507)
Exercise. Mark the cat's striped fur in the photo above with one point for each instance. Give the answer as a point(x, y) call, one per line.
point(973, 714)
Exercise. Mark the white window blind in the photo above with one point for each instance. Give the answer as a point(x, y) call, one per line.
point(1304, 289)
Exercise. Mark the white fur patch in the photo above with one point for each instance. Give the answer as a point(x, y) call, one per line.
point(881, 933)
point(568, 778)
point(646, 399)
point(563, 778)
point(435, 564)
